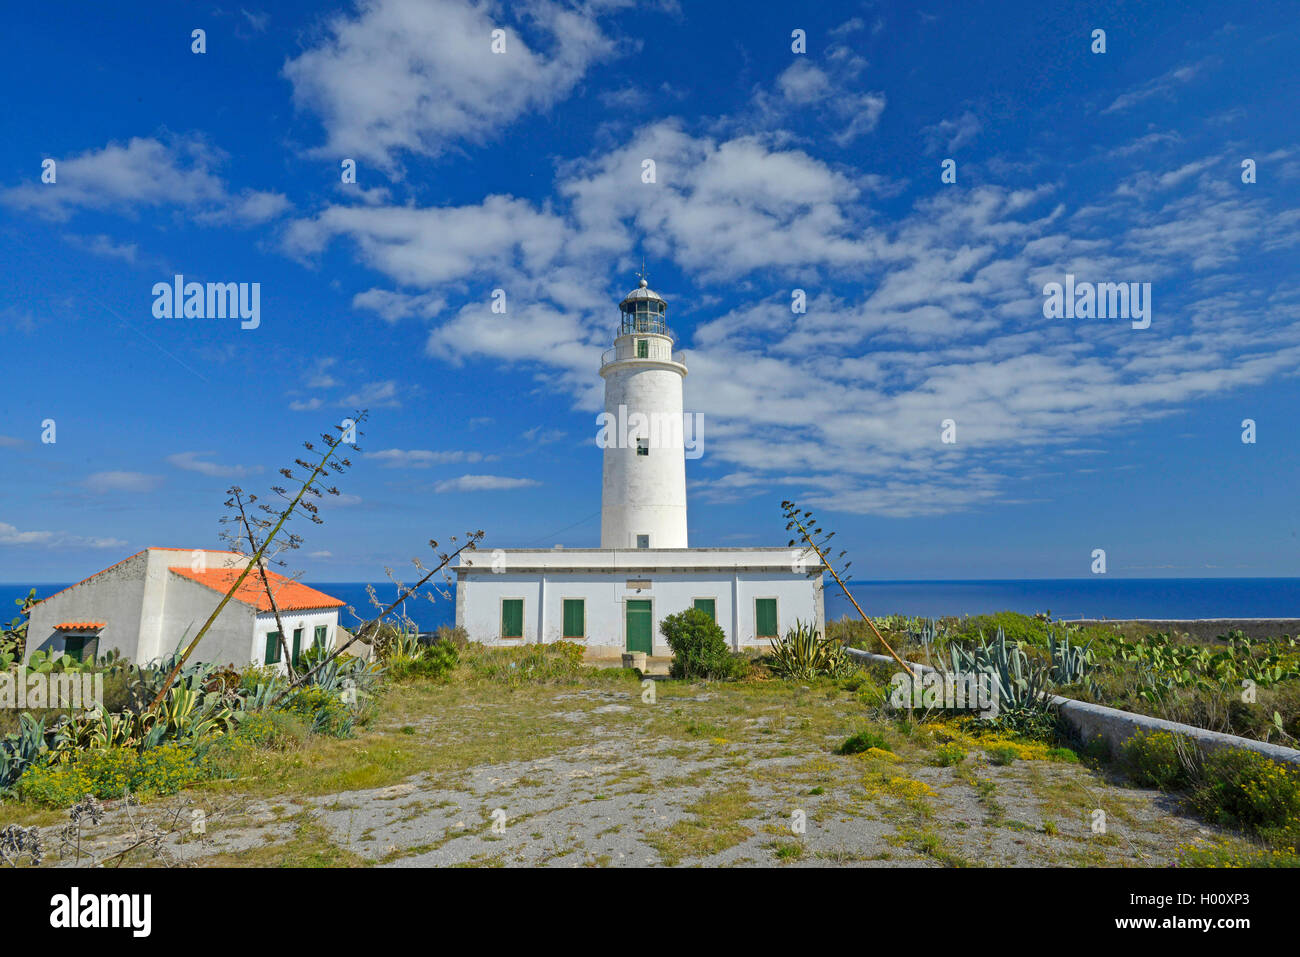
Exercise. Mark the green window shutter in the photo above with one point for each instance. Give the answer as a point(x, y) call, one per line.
point(709, 606)
point(512, 618)
point(319, 640)
point(272, 648)
point(74, 646)
point(297, 646)
point(765, 618)
point(642, 349)
point(574, 618)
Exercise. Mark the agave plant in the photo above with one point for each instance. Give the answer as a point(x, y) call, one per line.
point(17, 750)
point(1022, 685)
point(926, 634)
point(98, 729)
point(1070, 662)
point(804, 654)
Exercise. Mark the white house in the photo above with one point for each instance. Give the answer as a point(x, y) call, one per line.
point(154, 602)
point(612, 598)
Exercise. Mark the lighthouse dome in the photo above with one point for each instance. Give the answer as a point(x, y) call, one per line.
point(643, 293)
point(642, 310)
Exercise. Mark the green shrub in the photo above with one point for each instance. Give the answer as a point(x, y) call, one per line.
point(55, 785)
point(1002, 755)
point(436, 661)
point(325, 711)
point(274, 730)
point(1017, 627)
point(1035, 723)
point(1245, 788)
point(1097, 750)
point(854, 633)
point(526, 664)
point(699, 646)
point(946, 755)
point(1153, 760)
point(110, 773)
point(569, 653)
point(165, 769)
point(863, 741)
point(453, 635)
point(1232, 854)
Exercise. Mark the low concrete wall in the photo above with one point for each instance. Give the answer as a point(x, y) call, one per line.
point(1114, 726)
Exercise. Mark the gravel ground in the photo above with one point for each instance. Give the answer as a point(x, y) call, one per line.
point(707, 776)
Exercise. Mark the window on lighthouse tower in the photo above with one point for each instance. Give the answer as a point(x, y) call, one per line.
point(643, 349)
point(642, 446)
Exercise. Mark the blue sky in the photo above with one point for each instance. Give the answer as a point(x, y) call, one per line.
point(775, 171)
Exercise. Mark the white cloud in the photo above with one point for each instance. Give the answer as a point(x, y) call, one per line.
point(102, 482)
point(10, 535)
point(725, 208)
point(483, 483)
point(818, 97)
point(193, 462)
point(103, 246)
point(540, 436)
point(437, 244)
point(420, 75)
point(372, 395)
point(951, 135)
point(1163, 85)
point(145, 172)
point(394, 306)
point(423, 458)
point(929, 314)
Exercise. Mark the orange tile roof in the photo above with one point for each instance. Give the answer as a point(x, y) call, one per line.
point(79, 626)
point(289, 594)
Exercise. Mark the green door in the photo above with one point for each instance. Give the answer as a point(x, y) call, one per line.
point(640, 635)
point(297, 646)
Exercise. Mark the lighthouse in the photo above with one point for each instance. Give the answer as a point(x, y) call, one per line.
point(612, 600)
point(643, 488)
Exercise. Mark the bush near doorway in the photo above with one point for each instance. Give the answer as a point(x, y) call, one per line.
point(699, 647)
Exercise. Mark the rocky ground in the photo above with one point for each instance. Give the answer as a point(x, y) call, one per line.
point(713, 775)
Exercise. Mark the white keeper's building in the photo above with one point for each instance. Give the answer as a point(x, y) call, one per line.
point(612, 598)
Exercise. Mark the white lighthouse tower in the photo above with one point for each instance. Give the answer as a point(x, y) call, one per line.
point(643, 492)
point(612, 600)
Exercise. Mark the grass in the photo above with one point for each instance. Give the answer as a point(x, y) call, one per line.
point(310, 845)
point(714, 826)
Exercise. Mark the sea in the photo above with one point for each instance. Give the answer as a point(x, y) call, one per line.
point(1065, 598)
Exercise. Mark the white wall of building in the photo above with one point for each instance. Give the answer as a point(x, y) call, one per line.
point(149, 611)
point(114, 596)
point(185, 606)
point(308, 621)
point(670, 589)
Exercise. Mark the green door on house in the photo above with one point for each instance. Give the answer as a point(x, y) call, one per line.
point(640, 636)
